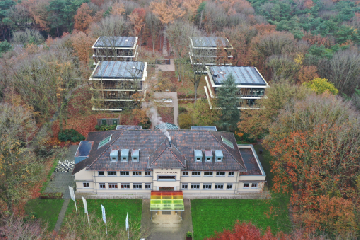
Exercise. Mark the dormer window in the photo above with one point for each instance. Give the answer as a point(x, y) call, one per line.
point(124, 155)
point(198, 155)
point(114, 154)
point(218, 156)
point(135, 154)
point(208, 155)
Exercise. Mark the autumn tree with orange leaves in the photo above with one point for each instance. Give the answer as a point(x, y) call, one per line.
point(83, 17)
point(316, 143)
point(167, 10)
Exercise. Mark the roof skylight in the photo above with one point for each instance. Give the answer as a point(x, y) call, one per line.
point(104, 141)
point(227, 142)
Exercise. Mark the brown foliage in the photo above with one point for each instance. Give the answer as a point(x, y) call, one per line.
point(315, 142)
point(38, 11)
point(117, 9)
point(307, 73)
point(83, 17)
point(137, 18)
point(82, 43)
point(167, 10)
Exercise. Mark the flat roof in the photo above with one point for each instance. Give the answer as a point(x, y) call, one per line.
point(250, 162)
point(242, 75)
point(205, 128)
point(115, 42)
point(119, 69)
point(210, 42)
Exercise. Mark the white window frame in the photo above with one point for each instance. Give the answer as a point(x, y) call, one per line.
point(191, 186)
point(229, 184)
point(233, 174)
point(102, 174)
point(218, 174)
point(115, 184)
point(256, 185)
point(111, 174)
point(122, 184)
point(137, 173)
point(137, 184)
point(218, 159)
point(122, 173)
point(86, 183)
point(147, 173)
point(249, 184)
point(100, 184)
point(218, 184)
point(192, 174)
point(198, 159)
point(185, 175)
point(209, 184)
point(210, 175)
point(185, 184)
point(208, 159)
point(148, 187)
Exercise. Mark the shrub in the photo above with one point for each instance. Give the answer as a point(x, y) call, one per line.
point(70, 135)
point(105, 127)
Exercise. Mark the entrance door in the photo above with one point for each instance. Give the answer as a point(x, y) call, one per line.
point(166, 188)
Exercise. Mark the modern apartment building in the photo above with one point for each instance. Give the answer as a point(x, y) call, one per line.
point(198, 162)
point(115, 49)
point(248, 80)
point(209, 51)
point(114, 84)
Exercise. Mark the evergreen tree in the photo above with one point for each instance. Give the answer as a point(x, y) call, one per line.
point(226, 101)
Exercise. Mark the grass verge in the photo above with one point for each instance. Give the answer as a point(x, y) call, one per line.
point(117, 208)
point(47, 210)
point(55, 163)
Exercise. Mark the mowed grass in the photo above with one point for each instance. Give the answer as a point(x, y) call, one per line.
point(210, 215)
point(47, 210)
point(115, 208)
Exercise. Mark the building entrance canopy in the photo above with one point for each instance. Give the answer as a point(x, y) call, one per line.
point(166, 201)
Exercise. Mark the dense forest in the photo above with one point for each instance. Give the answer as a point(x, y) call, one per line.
point(307, 50)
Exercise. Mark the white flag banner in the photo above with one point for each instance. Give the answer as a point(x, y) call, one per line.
point(104, 216)
point(127, 221)
point(85, 205)
point(72, 195)
point(103, 213)
point(85, 209)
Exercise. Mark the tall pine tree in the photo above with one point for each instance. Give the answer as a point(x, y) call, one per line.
point(226, 101)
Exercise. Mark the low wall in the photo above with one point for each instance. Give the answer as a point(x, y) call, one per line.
point(262, 195)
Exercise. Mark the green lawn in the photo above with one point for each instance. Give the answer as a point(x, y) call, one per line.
point(115, 208)
point(210, 215)
point(45, 209)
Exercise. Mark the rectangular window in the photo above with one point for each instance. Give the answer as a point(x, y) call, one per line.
point(86, 184)
point(113, 185)
point(136, 173)
point(124, 173)
point(102, 185)
point(101, 173)
point(147, 185)
point(195, 173)
point(112, 173)
point(246, 185)
point(125, 186)
point(195, 186)
point(147, 173)
point(185, 174)
point(198, 159)
point(207, 186)
point(208, 173)
point(254, 185)
point(229, 186)
point(208, 159)
point(184, 186)
point(219, 186)
point(231, 174)
point(166, 178)
point(137, 186)
point(221, 174)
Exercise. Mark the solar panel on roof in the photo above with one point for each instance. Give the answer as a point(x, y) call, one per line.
point(115, 42)
point(119, 69)
point(242, 75)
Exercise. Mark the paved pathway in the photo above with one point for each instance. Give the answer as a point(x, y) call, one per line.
point(166, 230)
point(61, 215)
